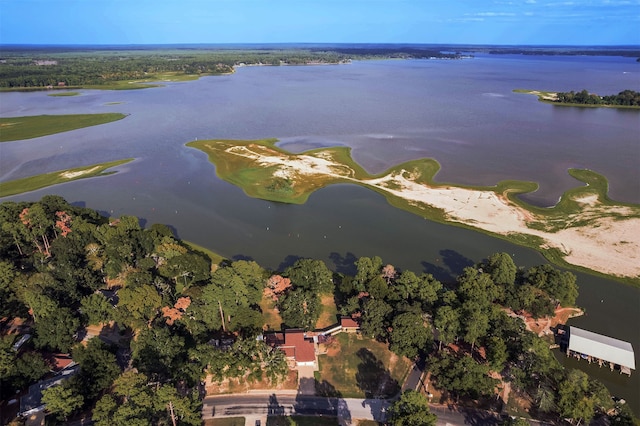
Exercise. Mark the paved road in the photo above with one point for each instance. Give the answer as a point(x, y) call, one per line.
point(346, 409)
point(274, 405)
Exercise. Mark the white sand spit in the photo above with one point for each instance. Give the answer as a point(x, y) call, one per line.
point(71, 175)
point(600, 237)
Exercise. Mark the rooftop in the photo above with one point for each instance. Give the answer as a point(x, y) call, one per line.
point(602, 347)
point(294, 344)
point(349, 322)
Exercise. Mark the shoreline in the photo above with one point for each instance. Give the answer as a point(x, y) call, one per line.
point(584, 230)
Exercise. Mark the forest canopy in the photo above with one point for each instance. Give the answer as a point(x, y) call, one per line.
point(64, 268)
point(624, 98)
point(53, 68)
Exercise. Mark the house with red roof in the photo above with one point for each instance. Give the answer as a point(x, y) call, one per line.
point(297, 346)
point(349, 324)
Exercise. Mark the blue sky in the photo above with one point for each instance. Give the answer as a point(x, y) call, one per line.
point(579, 22)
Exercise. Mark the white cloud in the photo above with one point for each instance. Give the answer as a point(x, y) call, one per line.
point(491, 14)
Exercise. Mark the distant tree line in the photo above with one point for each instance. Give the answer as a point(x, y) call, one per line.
point(626, 98)
point(42, 68)
point(562, 51)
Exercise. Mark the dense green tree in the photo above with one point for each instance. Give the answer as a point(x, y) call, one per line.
point(7, 356)
point(501, 268)
point(186, 269)
point(367, 269)
point(158, 352)
point(537, 360)
point(411, 409)
point(478, 287)
point(518, 421)
point(138, 305)
point(96, 308)
point(462, 376)
point(11, 306)
point(186, 411)
point(38, 227)
point(98, 367)
point(202, 316)
point(300, 308)
point(545, 399)
point(476, 322)
point(29, 367)
point(561, 286)
point(409, 286)
point(18, 369)
point(574, 400)
point(447, 322)
point(235, 286)
point(131, 403)
point(410, 335)
point(311, 275)
point(69, 266)
point(62, 400)
point(57, 330)
point(375, 318)
point(497, 353)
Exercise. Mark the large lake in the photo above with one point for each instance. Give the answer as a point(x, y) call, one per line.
point(462, 113)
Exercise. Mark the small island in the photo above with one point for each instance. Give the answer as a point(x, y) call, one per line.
point(29, 127)
point(44, 180)
point(626, 99)
point(585, 229)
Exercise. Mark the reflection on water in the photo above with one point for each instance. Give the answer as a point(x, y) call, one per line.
point(463, 113)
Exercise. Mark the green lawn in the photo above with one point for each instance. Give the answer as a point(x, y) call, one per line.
point(271, 318)
point(33, 183)
point(328, 311)
point(357, 367)
point(19, 128)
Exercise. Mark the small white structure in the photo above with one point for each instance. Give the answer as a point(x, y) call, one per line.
point(597, 347)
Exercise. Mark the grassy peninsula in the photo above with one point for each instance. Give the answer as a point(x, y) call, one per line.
point(29, 127)
point(585, 230)
point(33, 183)
point(64, 94)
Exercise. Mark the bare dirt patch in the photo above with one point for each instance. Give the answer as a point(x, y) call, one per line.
point(241, 385)
point(542, 326)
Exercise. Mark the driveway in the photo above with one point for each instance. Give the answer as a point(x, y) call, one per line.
point(306, 380)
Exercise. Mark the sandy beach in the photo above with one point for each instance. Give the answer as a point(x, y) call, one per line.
point(601, 237)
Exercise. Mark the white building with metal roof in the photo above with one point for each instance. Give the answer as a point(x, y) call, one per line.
point(594, 346)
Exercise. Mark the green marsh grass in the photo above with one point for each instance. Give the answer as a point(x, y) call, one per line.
point(64, 94)
point(29, 127)
point(33, 183)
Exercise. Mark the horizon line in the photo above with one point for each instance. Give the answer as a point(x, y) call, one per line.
point(321, 44)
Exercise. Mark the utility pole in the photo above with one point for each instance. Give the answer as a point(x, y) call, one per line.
point(222, 316)
point(173, 417)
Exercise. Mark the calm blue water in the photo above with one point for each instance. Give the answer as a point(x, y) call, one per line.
point(462, 113)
